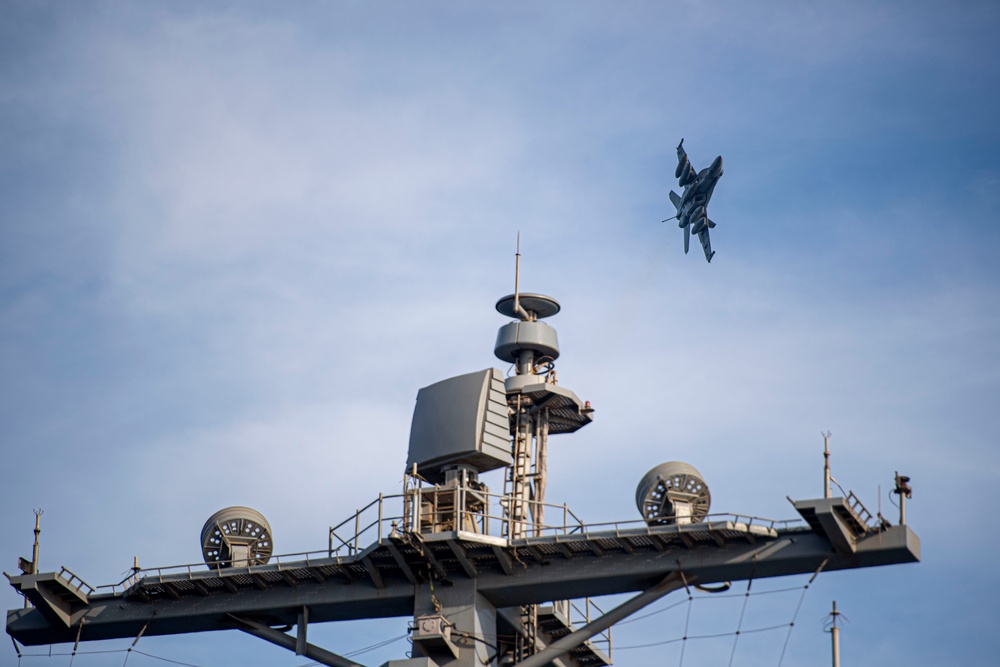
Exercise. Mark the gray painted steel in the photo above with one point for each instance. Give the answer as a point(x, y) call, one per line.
point(663, 488)
point(525, 571)
point(538, 304)
point(236, 536)
point(518, 337)
point(461, 420)
point(462, 585)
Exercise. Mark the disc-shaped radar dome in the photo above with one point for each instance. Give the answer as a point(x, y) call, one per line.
point(236, 536)
point(673, 492)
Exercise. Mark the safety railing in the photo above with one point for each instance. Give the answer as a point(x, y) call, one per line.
point(744, 521)
point(75, 582)
point(369, 522)
point(579, 613)
point(424, 508)
point(862, 515)
point(221, 567)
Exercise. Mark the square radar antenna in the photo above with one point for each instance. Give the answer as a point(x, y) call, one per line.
point(461, 421)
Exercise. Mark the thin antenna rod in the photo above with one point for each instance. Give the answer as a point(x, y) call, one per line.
point(835, 634)
point(522, 313)
point(826, 463)
point(34, 548)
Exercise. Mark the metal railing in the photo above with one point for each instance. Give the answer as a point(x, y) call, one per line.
point(860, 512)
point(369, 521)
point(278, 563)
point(80, 585)
point(579, 613)
point(434, 508)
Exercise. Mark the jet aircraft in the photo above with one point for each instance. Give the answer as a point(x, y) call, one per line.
point(692, 214)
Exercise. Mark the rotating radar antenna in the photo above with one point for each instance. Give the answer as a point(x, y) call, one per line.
point(673, 492)
point(236, 536)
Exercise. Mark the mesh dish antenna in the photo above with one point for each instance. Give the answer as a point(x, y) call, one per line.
point(235, 537)
point(673, 492)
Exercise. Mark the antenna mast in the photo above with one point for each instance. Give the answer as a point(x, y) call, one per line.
point(518, 310)
point(826, 463)
point(31, 567)
point(835, 634)
point(904, 491)
point(34, 548)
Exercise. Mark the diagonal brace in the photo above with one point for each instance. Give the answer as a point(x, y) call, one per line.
point(670, 583)
point(279, 638)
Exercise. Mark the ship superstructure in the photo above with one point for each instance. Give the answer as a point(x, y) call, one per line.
point(487, 576)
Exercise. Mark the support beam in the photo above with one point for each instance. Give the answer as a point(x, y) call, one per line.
point(316, 653)
point(505, 563)
point(438, 568)
point(301, 627)
point(404, 567)
point(516, 580)
point(670, 583)
point(463, 559)
point(373, 572)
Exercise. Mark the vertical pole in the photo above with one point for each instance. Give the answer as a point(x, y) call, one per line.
point(904, 491)
point(379, 517)
point(835, 635)
point(826, 463)
point(34, 549)
point(517, 274)
point(541, 467)
point(518, 310)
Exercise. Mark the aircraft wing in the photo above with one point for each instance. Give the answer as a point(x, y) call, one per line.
point(706, 243)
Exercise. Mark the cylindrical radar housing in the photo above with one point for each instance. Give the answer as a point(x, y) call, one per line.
point(673, 492)
point(236, 536)
point(517, 337)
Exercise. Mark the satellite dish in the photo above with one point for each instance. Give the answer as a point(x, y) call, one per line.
point(236, 536)
point(673, 492)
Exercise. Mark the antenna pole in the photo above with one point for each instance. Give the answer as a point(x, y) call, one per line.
point(34, 548)
point(522, 313)
point(835, 635)
point(826, 463)
point(33, 566)
point(904, 491)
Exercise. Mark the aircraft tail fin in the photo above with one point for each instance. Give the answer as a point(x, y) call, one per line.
point(711, 225)
point(675, 199)
point(687, 238)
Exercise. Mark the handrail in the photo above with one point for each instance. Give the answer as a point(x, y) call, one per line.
point(80, 583)
point(415, 511)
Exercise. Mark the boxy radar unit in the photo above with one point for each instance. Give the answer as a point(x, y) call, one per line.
point(460, 422)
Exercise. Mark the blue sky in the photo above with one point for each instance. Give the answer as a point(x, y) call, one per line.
point(237, 238)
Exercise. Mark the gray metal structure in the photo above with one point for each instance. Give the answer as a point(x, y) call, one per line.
point(487, 578)
point(692, 205)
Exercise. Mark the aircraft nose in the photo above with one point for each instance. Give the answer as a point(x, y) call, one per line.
point(717, 164)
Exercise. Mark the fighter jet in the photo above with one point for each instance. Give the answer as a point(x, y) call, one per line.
point(692, 215)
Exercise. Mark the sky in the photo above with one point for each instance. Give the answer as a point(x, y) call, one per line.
point(236, 238)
